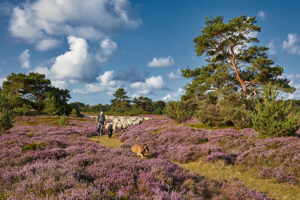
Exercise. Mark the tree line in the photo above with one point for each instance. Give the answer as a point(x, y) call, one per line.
point(121, 104)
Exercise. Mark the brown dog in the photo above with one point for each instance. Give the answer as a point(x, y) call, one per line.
point(140, 149)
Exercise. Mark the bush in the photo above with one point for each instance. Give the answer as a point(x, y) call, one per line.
point(273, 117)
point(6, 115)
point(73, 113)
point(225, 110)
point(63, 121)
point(50, 106)
point(24, 110)
point(178, 111)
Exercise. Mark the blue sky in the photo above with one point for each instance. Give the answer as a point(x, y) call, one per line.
point(94, 47)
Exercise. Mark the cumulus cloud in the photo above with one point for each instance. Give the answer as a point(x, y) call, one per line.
point(35, 21)
point(24, 59)
point(150, 84)
point(161, 62)
point(176, 75)
point(104, 83)
point(1, 81)
point(294, 82)
point(131, 75)
point(47, 44)
point(75, 64)
point(272, 48)
point(107, 48)
point(261, 14)
point(292, 44)
point(173, 96)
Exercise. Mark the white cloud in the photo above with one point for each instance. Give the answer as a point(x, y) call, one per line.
point(173, 96)
point(261, 14)
point(294, 82)
point(24, 59)
point(47, 44)
point(161, 62)
point(75, 64)
point(150, 84)
point(59, 84)
point(38, 20)
point(176, 75)
point(105, 83)
point(272, 48)
point(1, 81)
point(107, 48)
point(291, 45)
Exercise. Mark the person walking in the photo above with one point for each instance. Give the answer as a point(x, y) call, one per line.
point(100, 124)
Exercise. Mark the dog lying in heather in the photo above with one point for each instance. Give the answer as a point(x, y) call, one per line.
point(140, 149)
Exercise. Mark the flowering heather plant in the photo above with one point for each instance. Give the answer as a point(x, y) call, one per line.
point(67, 165)
point(184, 144)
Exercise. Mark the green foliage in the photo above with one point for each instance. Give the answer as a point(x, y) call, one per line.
point(31, 146)
point(225, 110)
point(51, 107)
point(63, 121)
point(177, 111)
point(121, 102)
point(6, 114)
point(35, 90)
point(223, 91)
point(24, 110)
point(73, 113)
point(273, 117)
point(143, 103)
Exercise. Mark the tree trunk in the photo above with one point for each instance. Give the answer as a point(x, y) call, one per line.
point(244, 87)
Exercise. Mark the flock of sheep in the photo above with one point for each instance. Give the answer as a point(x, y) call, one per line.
point(122, 122)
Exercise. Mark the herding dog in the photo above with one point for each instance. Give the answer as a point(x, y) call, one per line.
point(140, 149)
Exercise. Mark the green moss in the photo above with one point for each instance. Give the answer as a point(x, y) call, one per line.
point(249, 177)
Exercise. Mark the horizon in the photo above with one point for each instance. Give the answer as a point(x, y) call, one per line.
point(137, 45)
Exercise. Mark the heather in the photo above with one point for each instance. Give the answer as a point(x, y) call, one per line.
point(47, 161)
point(184, 144)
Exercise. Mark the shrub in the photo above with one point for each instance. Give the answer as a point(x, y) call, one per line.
point(225, 110)
point(6, 115)
point(24, 110)
point(272, 117)
point(63, 121)
point(178, 111)
point(73, 113)
point(50, 106)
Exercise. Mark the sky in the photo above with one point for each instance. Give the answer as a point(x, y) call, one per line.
point(94, 47)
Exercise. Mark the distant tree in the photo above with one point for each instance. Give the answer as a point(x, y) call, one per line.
point(143, 103)
point(34, 90)
point(159, 107)
point(121, 102)
point(61, 98)
point(31, 87)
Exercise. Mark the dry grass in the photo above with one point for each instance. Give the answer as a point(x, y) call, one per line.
point(104, 140)
point(249, 177)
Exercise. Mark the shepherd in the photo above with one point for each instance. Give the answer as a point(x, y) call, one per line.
point(100, 124)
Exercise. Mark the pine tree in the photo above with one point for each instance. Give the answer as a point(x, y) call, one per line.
point(6, 115)
point(273, 117)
